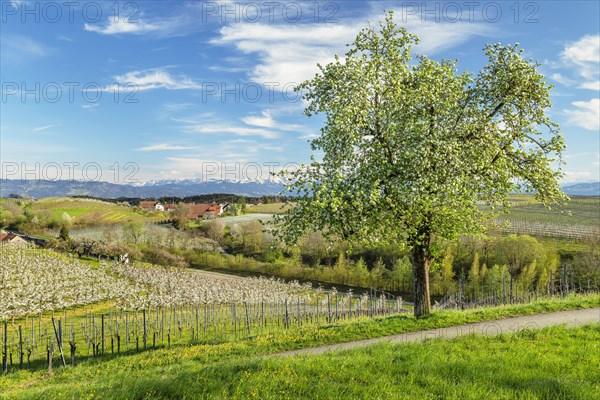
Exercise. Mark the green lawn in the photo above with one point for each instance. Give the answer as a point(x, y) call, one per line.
point(552, 363)
point(215, 371)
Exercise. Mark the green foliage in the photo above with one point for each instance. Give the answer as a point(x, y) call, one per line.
point(447, 272)
point(64, 234)
point(9, 212)
point(315, 247)
point(163, 257)
point(586, 264)
point(133, 231)
point(216, 230)
point(340, 270)
point(360, 273)
point(518, 251)
point(253, 237)
point(234, 209)
point(181, 215)
point(378, 273)
point(474, 276)
point(243, 205)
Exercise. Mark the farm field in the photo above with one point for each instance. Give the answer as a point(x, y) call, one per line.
point(237, 219)
point(246, 218)
point(273, 208)
point(472, 367)
point(580, 210)
point(578, 219)
point(89, 211)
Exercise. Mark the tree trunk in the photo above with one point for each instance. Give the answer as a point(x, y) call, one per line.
point(421, 261)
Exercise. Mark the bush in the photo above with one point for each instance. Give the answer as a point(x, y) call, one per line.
point(114, 250)
point(164, 257)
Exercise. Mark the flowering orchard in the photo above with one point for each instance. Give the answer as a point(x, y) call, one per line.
point(35, 281)
point(54, 306)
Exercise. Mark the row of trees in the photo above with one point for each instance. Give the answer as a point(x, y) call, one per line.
point(476, 265)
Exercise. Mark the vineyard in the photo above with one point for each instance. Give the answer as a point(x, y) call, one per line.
point(549, 229)
point(55, 306)
point(86, 211)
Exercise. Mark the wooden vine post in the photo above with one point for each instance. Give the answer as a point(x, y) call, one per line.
point(58, 342)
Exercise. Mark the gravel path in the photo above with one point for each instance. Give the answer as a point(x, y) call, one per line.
point(493, 327)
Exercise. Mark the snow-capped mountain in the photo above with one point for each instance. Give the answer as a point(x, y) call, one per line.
point(180, 188)
point(150, 189)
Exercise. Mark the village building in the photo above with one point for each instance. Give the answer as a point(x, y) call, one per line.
point(200, 211)
point(151, 205)
point(12, 240)
point(170, 207)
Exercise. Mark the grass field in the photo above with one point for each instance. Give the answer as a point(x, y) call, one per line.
point(88, 211)
point(237, 370)
point(578, 211)
point(557, 363)
point(274, 208)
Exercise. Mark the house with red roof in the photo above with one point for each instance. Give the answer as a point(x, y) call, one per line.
point(12, 240)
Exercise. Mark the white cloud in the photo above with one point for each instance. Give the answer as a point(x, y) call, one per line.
point(155, 79)
point(585, 50)
point(267, 121)
point(163, 147)
point(183, 19)
point(229, 166)
point(263, 125)
point(579, 176)
point(90, 106)
point(560, 78)
point(290, 53)
point(119, 26)
point(19, 48)
point(64, 38)
point(587, 114)
point(232, 70)
point(584, 56)
point(234, 130)
point(435, 37)
point(310, 136)
point(42, 128)
point(591, 86)
point(177, 106)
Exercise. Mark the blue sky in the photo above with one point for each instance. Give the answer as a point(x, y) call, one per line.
point(188, 89)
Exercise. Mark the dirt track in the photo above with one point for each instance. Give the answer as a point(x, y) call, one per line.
point(493, 327)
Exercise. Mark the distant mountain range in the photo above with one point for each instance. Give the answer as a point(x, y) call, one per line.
point(180, 188)
point(582, 189)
